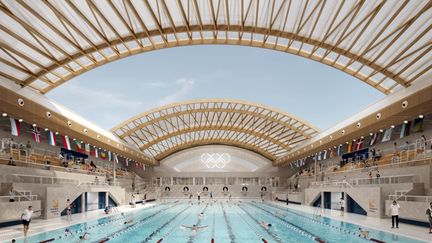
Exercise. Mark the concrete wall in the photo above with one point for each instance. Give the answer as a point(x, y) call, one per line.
point(56, 196)
point(217, 190)
point(12, 211)
point(369, 198)
point(422, 173)
point(410, 210)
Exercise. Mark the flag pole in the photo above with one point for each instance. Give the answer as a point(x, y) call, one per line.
point(315, 172)
point(114, 172)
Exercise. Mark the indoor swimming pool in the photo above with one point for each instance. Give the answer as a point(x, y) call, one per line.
point(241, 222)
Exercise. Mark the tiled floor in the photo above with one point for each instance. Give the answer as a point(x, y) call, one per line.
point(420, 233)
point(411, 231)
point(40, 225)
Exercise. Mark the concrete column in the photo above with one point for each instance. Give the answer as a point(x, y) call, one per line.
point(172, 181)
point(204, 181)
point(114, 172)
point(83, 202)
point(322, 201)
point(106, 199)
point(315, 171)
point(193, 180)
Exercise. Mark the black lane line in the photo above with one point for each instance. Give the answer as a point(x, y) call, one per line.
point(273, 235)
point(230, 233)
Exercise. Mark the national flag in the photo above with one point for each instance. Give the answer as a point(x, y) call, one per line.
point(360, 144)
point(116, 158)
point(418, 125)
point(103, 155)
point(51, 138)
point(325, 154)
point(78, 145)
point(374, 139)
point(387, 135)
point(350, 147)
point(15, 127)
point(95, 152)
point(36, 134)
point(405, 130)
point(339, 150)
point(66, 142)
point(109, 155)
point(127, 162)
point(87, 148)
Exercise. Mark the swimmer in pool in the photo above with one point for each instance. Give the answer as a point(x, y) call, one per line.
point(363, 233)
point(265, 224)
point(194, 228)
point(128, 222)
point(201, 215)
point(84, 236)
point(68, 232)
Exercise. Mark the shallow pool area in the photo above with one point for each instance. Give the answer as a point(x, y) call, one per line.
point(221, 221)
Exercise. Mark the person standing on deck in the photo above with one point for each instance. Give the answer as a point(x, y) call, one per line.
point(394, 212)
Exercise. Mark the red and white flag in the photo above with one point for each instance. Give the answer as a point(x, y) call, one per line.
point(360, 144)
point(95, 153)
point(36, 134)
point(66, 142)
point(15, 127)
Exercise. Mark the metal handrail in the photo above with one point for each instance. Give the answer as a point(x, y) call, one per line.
point(29, 198)
point(377, 167)
point(364, 181)
point(40, 179)
point(407, 197)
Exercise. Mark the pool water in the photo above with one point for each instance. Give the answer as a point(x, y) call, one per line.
point(222, 222)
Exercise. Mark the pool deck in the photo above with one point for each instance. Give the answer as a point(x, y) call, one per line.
point(40, 225)
point(410, 231)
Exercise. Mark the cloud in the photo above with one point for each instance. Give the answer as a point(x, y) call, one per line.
point(107, 98)
point(157, 84)
point(185, 86)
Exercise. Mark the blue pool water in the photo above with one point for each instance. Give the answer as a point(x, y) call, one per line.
point(224, 222)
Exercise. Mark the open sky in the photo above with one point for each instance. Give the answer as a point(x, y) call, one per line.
point(310, 90)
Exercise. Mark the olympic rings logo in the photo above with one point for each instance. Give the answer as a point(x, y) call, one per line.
point(215, 160)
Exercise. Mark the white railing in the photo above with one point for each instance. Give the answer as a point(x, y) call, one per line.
point(417, 148)
point(19, 198)
point(93, 183)
point(410, 198)
point(25, 158)
point(20, 178)
point(384, 180)
point(331, 184)
point(366, 181)
point(410, 163)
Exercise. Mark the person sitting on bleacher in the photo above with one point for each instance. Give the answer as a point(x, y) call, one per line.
point(11, 162)
point(47, 165)
point(28, 148)
point(378, 155)
point(22, 149)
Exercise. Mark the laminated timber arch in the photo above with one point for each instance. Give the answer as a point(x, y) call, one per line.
point(386, 44)
point(163, 131)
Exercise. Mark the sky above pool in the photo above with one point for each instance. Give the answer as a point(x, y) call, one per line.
point(310, 90)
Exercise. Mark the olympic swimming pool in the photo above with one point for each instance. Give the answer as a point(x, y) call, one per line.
point(226, 222)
